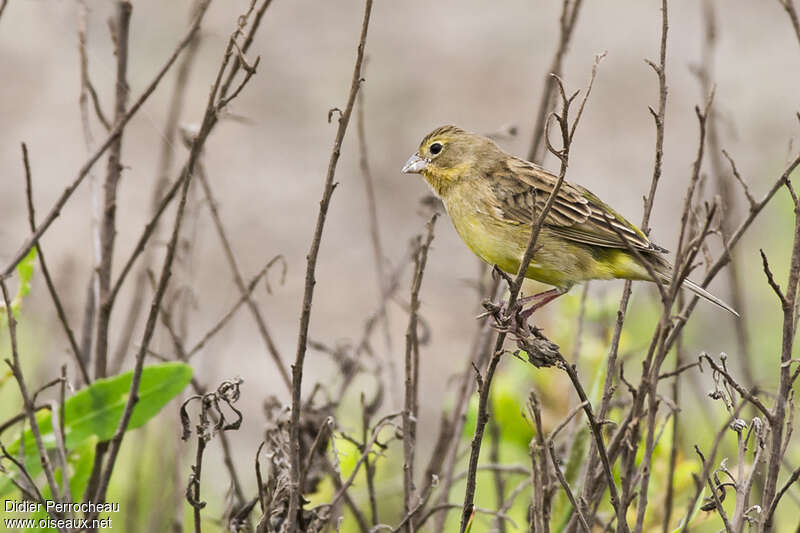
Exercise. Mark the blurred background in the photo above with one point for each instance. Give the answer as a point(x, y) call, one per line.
point(475, 64)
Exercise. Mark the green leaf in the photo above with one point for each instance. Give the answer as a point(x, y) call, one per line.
point(25, 273)
point(469, 523)
point(507, 408)
point(79, 464)
point(348, 455)
point(562, 508)
point(97, 410)
point(690, 518)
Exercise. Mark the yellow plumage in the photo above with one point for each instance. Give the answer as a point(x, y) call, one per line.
point(493, 197)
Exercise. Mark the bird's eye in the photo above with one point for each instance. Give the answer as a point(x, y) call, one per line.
point(436, 148)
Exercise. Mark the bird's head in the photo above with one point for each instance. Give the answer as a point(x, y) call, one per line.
point(446, 155)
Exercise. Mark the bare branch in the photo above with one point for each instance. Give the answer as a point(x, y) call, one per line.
point(209, 120)
point(514, 288)
point(310, 281)
point(27, 402)
point(411, 405)
point(62, 316)
point(55, 211)
point(786, 486)
point(239, 280)
point(375, 239)
point(751, 200)
point(771, 279)
point(788, 305)
point(108, 224)
point(565, 485)
point(788, 5)
point(569, 16)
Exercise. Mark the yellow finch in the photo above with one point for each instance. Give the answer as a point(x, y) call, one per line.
point(493, 197)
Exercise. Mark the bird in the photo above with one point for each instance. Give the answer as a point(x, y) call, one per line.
point(493, 197)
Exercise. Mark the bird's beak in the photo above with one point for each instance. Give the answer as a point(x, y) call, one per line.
point(414, 165)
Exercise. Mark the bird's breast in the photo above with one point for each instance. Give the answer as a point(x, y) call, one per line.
point(494, 240)
point(500, 242)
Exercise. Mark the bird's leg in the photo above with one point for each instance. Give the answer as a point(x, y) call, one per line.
point(503, 315)
point(502, 308)
point(541, 299)
point(532, 298)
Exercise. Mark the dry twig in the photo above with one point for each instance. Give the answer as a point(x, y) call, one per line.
point(308, 293)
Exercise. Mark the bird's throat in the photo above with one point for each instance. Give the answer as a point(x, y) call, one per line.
point(442, 180)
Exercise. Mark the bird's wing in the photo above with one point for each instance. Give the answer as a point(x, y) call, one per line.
point(521, 190)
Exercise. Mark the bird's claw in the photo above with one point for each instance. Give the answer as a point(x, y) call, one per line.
point(513, 320)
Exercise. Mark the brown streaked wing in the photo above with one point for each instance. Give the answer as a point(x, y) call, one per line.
point(522, 189)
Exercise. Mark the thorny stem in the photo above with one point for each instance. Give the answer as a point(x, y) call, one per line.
point(310, 281)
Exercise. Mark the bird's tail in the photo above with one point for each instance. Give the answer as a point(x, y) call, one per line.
point(663, 270)
point(700, 291)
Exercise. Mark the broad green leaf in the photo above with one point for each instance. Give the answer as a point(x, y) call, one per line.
point(80, 462)
point(96, 410)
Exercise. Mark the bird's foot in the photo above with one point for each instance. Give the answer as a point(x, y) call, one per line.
point(540, 351)
point(539, 300)
point(514, 319)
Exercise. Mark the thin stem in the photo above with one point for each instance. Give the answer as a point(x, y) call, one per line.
point(569, 16)
point(55, 211)
point(411, 374)
point(27, 402)
point(310, 281)
point(239, 279)
point(62, 315)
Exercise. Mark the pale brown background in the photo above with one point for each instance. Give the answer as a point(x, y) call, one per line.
point(476, 64)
